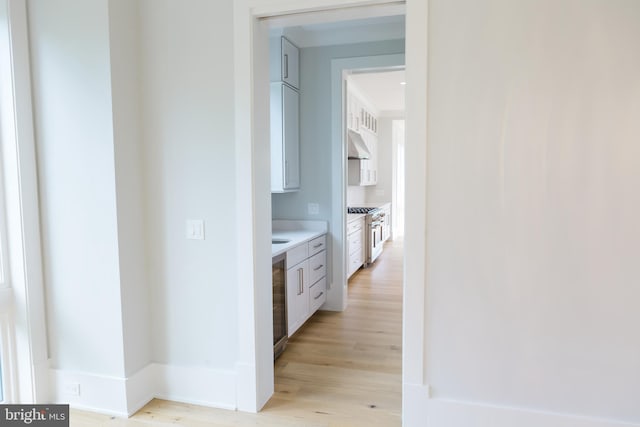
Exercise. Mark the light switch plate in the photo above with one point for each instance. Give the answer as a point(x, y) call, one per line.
point(195, 229)
point(313, 208)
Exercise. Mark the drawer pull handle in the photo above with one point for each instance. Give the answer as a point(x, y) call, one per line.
point(286, 66)
point(318, 267)
point(319, 295)
point(317, 246)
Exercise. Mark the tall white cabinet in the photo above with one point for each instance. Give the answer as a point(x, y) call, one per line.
point(285, 140)
point(285, 116)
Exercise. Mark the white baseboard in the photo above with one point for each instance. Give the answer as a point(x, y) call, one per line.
point(421, 411)
point(199, 386)
point(414, 404)
point(123, 397)
point(246, 388)
point(96, 393)
point(141, 388)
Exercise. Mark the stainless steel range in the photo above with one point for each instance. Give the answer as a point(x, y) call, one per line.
point(374, 222)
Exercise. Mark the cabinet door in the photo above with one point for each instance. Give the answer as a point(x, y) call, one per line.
point(290, 64)
point(291, 135)
point(297, 296)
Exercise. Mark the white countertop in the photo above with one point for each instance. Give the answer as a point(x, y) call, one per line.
point(297, 232)
point(368, 205)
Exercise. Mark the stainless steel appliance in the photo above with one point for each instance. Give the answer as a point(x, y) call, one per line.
point(374, 222)
point(278, 280)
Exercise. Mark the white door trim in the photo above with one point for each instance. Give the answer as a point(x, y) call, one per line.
point(23, 221)
point(255, 380)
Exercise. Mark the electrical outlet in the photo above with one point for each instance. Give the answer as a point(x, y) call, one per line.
point(72, 389)
point(313, 208)
point(195, 229)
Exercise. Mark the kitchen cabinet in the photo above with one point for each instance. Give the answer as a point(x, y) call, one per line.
point(359, 115)
point(306, 281)
point(285, 138)
point(365, 171)
point(284, 64)
point(355, 245)
point(364, 121)
point(297, 295)
point(386, 222)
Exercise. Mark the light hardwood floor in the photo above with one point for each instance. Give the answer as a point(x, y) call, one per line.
point(339, 369)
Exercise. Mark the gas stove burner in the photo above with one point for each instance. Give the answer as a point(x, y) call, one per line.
point(361, 210)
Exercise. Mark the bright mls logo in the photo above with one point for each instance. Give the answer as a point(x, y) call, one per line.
point(34, 415)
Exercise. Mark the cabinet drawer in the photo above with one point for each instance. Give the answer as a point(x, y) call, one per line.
point(297, 254)
point(317, 295)
point(355, 262)
point(354, 226)
point(318, 244)
point(355, 242)
point(317, 266)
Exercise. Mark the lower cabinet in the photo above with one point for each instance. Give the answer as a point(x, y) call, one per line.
point(306, 282)
point(317, 295)
point(355, 245)
point(297, 295)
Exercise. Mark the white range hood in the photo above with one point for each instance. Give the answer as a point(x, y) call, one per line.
point(357, 148)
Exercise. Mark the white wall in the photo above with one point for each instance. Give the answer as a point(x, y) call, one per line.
point(74, 128)
point(188, 119)
point(533, 173)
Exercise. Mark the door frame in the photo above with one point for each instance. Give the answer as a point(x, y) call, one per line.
point(253, 203)
point(24, 325)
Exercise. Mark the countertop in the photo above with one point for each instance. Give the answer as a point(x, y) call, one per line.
point(369, 205)
point(297, 232)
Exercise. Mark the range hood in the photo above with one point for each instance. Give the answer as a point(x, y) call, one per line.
point(357, 148)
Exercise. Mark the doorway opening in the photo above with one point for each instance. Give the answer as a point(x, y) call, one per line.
point(255, 346)
point(326, 63)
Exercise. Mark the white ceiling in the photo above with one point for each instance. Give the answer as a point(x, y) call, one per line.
point(382, 89)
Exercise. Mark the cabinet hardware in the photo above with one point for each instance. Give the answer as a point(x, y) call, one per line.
point(317, 246)
point(286, 66)
point(300, 280)
point(319, 295)
point(286, 173)
point(318, 267)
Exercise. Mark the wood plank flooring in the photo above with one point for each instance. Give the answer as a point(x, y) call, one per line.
point(339, 369)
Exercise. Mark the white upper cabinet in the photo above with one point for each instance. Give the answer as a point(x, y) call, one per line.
point(362, 119)
point(285, 135)
point(285, 116)
point(285, 62)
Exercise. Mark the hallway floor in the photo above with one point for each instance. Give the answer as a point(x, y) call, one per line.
point(339, 369)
